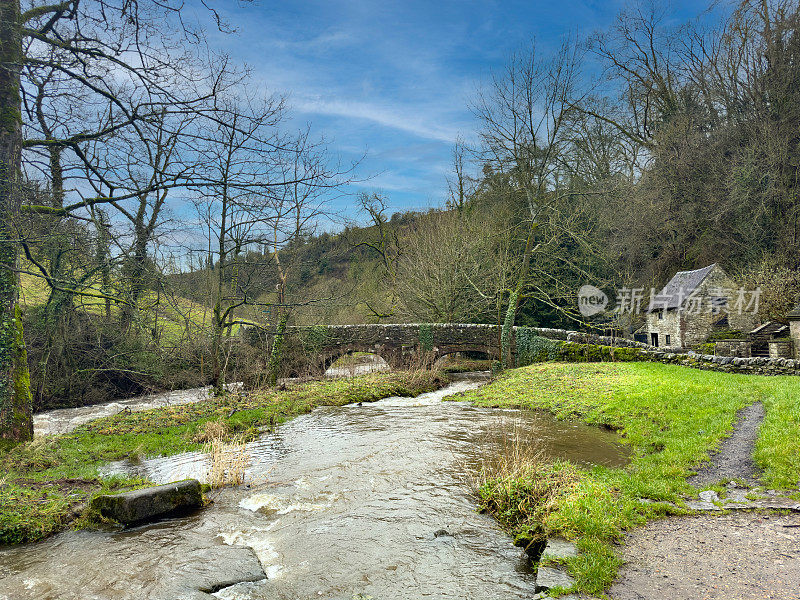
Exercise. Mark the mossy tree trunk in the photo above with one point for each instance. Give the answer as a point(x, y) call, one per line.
point(506, 332)
point(16, 421)
point(276, 354)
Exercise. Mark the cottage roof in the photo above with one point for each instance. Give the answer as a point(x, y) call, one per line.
point(794, 314)
point(682, 284)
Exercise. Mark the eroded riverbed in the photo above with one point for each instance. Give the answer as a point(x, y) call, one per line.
point(370, 500)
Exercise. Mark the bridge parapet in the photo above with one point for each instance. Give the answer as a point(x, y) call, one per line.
point(400, 343)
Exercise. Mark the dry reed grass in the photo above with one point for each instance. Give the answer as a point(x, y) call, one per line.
point(504, 455)
point(212, 430)
point(228, 461)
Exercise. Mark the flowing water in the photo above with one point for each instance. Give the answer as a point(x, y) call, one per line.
point(355, 501)
point(64, 420)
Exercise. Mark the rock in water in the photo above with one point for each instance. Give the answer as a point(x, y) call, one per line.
point(150, 503)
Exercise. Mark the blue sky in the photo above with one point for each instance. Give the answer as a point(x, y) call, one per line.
point(394, 79)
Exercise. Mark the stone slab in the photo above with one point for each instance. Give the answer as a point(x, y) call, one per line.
point(701, 505)
point(148, 504)
point(558, 549)
point(548, 577)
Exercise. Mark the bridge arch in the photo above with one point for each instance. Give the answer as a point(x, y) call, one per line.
point(398, 344)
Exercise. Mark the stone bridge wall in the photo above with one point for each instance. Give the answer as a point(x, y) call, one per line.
point(399, 344)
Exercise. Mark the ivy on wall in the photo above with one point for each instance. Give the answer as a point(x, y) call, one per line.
point(426, 337)
point(533, 348)
point(314, 338)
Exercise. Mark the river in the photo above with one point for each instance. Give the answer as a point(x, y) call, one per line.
point(344, 502)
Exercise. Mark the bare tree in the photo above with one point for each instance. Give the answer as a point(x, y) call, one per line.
point(524, 117)
point(460, 186)
point(382, 239)
point(115, 57)
point(453, 267)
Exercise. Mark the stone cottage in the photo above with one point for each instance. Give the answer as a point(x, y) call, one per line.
point(794, 329)
point(695, 303)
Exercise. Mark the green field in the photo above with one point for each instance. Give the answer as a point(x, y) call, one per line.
point(175, 317)
point(671, 417)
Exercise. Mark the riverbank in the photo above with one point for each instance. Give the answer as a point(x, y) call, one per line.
point(671, 417)
point(47, 482)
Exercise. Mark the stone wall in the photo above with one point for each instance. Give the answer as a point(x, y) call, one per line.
point(794, 329)
point(580, 337)
point(752, 366)
point(781, 349)
point(696, 327)
point(574, 352)
point(740, 348)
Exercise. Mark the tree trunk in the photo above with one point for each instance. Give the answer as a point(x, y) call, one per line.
point(16, 421)
point(276, 355)
point(513, 301)
point(137, 272)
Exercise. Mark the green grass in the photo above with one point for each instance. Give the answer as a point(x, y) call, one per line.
point(778, 444)
point(466, 365)
point(670, 416)
point(44, 480)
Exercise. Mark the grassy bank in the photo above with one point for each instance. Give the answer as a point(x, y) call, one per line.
point(466, 365)
point(46, 482)
point(670, 416)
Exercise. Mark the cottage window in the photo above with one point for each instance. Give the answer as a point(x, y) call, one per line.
point(668, 340)
point(661, 314)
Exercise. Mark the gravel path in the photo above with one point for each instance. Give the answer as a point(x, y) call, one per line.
point(734, 460)
point(736, 556)
point(739, 556)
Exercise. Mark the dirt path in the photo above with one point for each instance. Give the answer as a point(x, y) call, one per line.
point(734, 460)
point(734, 556)
point(739, 556)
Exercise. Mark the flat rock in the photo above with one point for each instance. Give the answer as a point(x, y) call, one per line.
point(709, 496)
point(701, 505)
point(151, 503)
point(777, 503)
point(548, 577)
point(559, 548)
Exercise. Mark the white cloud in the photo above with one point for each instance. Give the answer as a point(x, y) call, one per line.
point(400, 118)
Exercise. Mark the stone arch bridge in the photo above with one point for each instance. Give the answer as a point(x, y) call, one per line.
point(400, 344)
point(397, 344)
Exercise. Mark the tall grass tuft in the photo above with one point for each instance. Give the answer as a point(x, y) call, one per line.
point(520, 489)
point(228, 461)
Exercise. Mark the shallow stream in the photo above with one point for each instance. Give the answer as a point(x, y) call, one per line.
point(369, 500)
